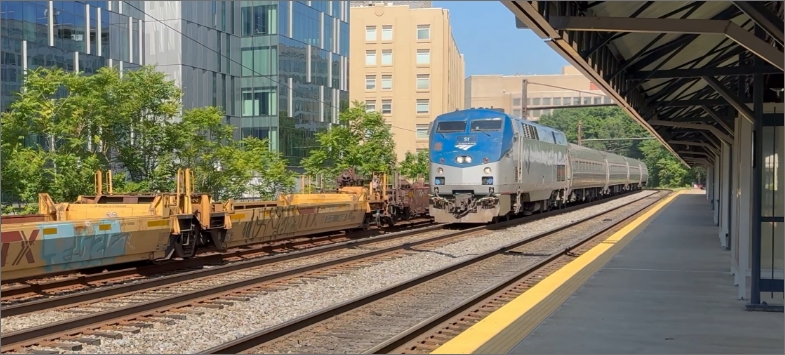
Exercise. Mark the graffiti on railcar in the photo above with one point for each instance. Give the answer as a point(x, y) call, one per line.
point(271, 223)
point(339, 218)
point(81, 246)
point(26, 241)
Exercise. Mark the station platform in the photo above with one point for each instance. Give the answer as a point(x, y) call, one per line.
point(662, 285)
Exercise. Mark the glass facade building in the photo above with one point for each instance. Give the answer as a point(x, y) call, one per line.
point(278, 69)
point(294, 71)
point(71, 35)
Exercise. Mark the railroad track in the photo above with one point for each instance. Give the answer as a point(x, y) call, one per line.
point(19, 291)
point(170, 304)
point(410, 317)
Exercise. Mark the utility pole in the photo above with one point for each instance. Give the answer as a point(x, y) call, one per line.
point(524, 89)
point(580, 132)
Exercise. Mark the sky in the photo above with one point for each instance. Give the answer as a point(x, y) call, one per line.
point(486, 35)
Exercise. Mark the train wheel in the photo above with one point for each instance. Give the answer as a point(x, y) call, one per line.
point(185, 246)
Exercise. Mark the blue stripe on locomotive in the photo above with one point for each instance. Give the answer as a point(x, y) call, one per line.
point(492, 145)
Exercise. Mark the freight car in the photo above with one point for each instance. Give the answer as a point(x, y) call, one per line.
point(389, 201)
point(108, 229)
point(486, 165)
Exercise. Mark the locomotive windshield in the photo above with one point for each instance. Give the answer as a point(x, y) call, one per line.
point(451, 127)
point(486, 125)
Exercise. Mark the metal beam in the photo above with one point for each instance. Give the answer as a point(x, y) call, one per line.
point(700, 72)
point(655, 25)
point(695, 153)
point(698, 144)
point(732, 99)
point(701, 102)
point(695, 126)
point(763, 18)
point(719, 119)
point(710, 139)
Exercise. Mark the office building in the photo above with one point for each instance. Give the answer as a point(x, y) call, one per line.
point(278, 69)
point(72, 35)
point(407, 67)
point(504, 92)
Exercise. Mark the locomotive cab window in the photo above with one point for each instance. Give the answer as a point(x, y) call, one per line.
point(486, 125)
point(451, 127)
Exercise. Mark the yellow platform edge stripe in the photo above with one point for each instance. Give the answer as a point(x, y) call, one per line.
point(489, 327)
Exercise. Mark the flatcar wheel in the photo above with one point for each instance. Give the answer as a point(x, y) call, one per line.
point(185, 247)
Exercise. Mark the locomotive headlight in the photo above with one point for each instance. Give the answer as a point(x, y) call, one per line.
point(468, 160)
point(459, 160)
point(439, 170)
point(487, 170)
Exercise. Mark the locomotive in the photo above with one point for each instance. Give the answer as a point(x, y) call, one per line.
point(487, 166)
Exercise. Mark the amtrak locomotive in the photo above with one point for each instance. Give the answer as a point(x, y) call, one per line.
point(486, 165)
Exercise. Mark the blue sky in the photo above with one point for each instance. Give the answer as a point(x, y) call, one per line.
point(487, 37)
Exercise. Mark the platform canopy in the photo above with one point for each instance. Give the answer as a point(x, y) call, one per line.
point(680, 68)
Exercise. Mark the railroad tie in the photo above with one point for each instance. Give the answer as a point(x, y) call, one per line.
point(105, 334)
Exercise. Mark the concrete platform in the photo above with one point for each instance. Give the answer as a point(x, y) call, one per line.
point(668, 291)
point(659, 285)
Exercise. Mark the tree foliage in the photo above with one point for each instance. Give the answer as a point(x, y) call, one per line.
point(362, 141)
point(63, 126)
point(414, 165)
point(665, 170)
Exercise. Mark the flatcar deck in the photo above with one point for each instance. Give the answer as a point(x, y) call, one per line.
point(668, 291)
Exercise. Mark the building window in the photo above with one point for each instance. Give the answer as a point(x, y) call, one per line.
point(566, 101)
point(607, 100)
point(423, 105)
point(528, 102)
point(557, 100)
point(423, 81)
point(576, 100)
point(587, 100)
point(535, 101)
point(597, 100)
point(370, 106)
point(423, 56)
point(422, 131)
point(386, 82)
point(387, 34)
point(516, 102)
point(423, 31)
point(516, 112)
point(387, 57)
point(535, 113)
point(546, 100)
point(370, 57)
point(386, 107)
point(370, 82)
point(370, 33)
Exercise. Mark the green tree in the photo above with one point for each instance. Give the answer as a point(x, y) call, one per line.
point(268, 169)
point(414, 165)
point(362, 140)
point(46, 132)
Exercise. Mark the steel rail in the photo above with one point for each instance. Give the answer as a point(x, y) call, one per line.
point(266, 335)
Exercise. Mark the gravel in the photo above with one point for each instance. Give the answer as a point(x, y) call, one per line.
point(218, 326)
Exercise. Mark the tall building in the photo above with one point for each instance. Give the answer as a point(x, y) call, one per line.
point(82, 36)
point(407, 66)
point(278, 69)
point(281, 68)
point(504, 92)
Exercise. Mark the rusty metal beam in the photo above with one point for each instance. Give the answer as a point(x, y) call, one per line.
point(730, 29)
